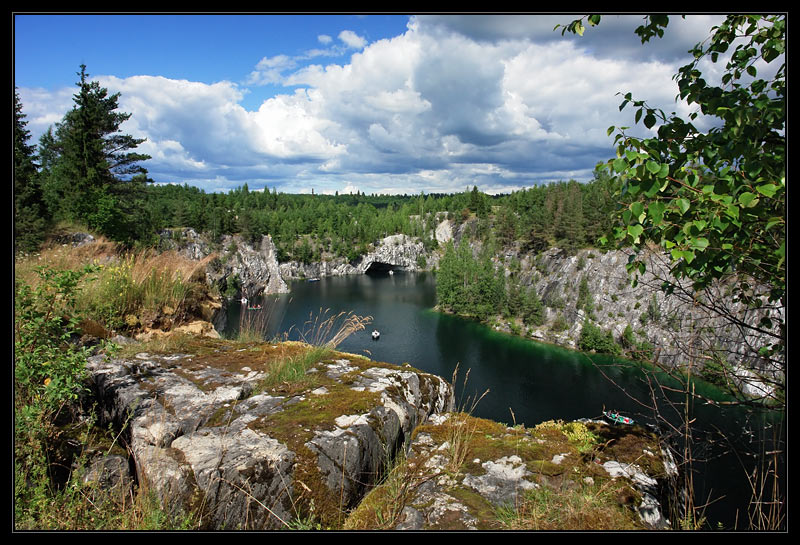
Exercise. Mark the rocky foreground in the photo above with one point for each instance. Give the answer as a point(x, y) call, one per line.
point(215, 431)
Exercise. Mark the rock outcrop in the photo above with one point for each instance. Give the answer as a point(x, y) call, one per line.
point(396, 252)
point(465, 473)
point(214, 432)
point(677, 327)
point(206, 434)
point(254, 267)
point(392, 253)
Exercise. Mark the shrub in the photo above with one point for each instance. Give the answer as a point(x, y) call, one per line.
point(598, 340)
point(559, 324)
point(48, 377)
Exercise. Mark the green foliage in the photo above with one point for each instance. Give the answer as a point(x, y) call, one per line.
point(559, 323)
point(48, 375)
point(469, 285)
point(595, 339)
point(715, 200)
point(232, 286)
point(578, 433)
point(585, 300)
point(532, 308)
point(90, 172)
point(31, 215)
point(638, 350)
point(48, 369)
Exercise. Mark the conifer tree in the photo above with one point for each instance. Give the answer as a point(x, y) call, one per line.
point(31, 216)
point(97, 171)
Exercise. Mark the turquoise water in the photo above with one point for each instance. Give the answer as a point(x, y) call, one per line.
point(527, 382)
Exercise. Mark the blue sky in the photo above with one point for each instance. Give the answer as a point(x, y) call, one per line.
point(376, 103)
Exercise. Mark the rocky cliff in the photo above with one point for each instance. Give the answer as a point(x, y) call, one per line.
point(392, 253)
point(252, 268)
point(680, 328)
point(676, 330)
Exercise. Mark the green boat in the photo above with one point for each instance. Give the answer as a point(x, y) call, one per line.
point(617, 418)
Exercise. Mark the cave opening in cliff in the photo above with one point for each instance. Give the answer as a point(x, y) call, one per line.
point(377, 267)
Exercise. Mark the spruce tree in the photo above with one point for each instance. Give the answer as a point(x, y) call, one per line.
point(97, 169)
point(31, 217)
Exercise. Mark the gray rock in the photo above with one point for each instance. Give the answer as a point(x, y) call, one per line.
point(196, 437)
point(110, 473)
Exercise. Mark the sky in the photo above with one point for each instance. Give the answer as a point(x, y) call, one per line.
point(377, 103)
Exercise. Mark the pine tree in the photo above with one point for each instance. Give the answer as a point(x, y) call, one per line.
point(97, 164)
point(31, 217)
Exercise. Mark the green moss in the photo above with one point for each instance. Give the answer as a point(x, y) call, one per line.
point(297, 423)
point(478, 506)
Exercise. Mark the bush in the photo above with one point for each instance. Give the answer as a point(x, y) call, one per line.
point(559, 323)
point(595, 339)
point(49, 373)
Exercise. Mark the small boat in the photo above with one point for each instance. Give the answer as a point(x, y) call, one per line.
point(255, 307)
point(376, 334)
point(391, 273)
point(313, 279)
point(617, 418)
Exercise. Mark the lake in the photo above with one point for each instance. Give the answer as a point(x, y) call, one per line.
point(528, 382)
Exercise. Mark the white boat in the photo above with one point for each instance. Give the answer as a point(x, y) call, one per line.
point(376, 334)
point(391, 273)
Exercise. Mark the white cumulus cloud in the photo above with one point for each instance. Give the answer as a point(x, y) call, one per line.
point(501, 102)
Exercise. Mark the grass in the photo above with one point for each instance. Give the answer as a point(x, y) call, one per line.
point(384, 505)
point(321, 334)
point(461, 428)
point(291, 370)
point(129, 289)
point(585, 507)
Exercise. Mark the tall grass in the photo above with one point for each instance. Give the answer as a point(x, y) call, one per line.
point(126, 285)
point(460, 428)
point(142, 283)
point(322, 333)
point(324, 330)
point(584, 506)
point(255, 325)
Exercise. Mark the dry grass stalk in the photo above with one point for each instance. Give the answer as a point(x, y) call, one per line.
point(460, 429)
point(330, 331)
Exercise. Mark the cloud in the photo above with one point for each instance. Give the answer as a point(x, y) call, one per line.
point(501, 102)
point(352, 40)
point(270, 70)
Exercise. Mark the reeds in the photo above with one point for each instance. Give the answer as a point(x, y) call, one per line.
point(255, 324)
point(460, 428)
point(327, 331)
